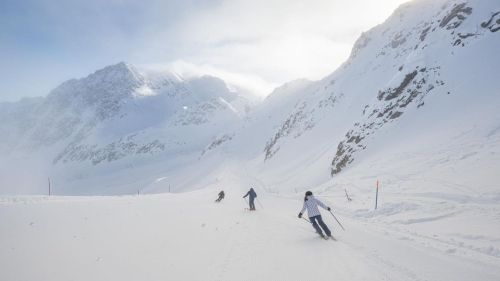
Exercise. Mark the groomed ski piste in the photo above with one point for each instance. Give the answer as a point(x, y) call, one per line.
point(186, 236)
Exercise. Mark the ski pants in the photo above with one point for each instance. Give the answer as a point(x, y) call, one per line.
point(321, 223)
point(251, 203)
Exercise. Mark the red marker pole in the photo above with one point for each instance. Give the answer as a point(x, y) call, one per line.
point(376, 197)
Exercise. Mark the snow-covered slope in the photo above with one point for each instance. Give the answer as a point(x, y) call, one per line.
point(424, 79)
point(186, 236)
point(416, 108)
point(114, 120)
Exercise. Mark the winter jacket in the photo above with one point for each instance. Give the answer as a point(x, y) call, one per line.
point(311, 204)
point(251, 193)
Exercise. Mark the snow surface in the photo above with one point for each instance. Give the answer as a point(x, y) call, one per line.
point(186, 236)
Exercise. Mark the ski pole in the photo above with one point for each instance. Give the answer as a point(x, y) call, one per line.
point(337, 220)
point(305, 219)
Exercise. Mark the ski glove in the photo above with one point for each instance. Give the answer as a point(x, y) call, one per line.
point(300, 215)
point(328, 208)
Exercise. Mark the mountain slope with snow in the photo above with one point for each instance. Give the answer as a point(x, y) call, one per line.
point(112, 121)
point(424, 78)
point(414, 108)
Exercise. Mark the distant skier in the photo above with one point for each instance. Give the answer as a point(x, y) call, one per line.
point(221, 196)
point(251, 197)
point(311, 204)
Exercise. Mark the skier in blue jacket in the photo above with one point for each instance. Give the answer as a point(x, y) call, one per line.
point(251, 197)
point(311, 204)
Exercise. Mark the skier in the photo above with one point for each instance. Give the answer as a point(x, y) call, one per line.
point(311, 204)
point(251, 197)
point(221, 196)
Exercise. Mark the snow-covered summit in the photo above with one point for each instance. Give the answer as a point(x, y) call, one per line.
point(119, 113)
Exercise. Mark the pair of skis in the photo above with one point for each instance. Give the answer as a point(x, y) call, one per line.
point(328, 237)
point(324, 236)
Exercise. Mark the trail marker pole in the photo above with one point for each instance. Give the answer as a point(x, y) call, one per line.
point(49, 186)
point(376, 197)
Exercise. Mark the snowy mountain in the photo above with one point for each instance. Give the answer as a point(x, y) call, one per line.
point(422, 80)
point(116, 118)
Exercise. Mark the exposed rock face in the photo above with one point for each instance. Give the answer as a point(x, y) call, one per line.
point(456, 16)
point(493, 24)
point(414, 87)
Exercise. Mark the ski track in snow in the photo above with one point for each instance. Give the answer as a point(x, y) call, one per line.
point(188, 237)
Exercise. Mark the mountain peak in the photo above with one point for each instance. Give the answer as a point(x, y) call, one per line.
point(118, 72)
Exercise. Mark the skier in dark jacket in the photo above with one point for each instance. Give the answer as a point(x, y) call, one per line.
point(221, 196)
point(311, 204)
point(251, 197)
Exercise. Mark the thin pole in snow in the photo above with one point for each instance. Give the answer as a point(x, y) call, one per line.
point(376, 197)
point(168, 188)
point(49, 186)
point(337, 220)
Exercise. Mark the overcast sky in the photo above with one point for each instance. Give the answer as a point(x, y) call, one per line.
point(259, 43)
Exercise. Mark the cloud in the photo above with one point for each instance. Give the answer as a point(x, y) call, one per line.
point(278, 40)
point(244, 81)
point(268, 41)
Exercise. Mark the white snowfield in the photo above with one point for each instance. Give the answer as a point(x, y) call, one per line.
point(186, 236)
point(416, 107)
